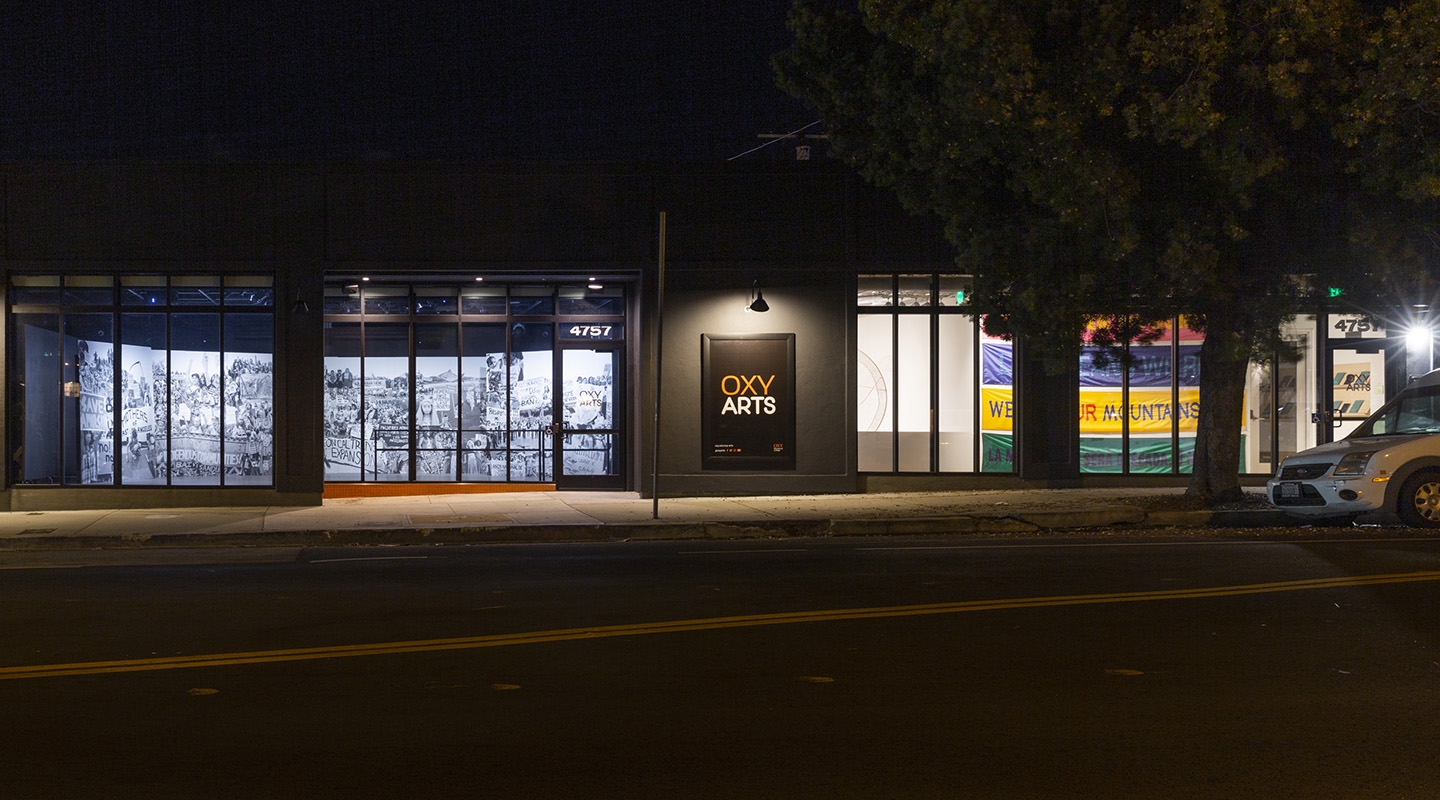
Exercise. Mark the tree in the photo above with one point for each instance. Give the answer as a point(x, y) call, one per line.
point(1225, 161)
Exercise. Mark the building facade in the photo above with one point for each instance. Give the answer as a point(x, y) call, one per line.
point(195, 334)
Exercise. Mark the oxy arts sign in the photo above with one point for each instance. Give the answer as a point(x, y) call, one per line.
point(748, 401)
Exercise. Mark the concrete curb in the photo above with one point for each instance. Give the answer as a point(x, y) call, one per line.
point(1019, 521)
point(920, 526)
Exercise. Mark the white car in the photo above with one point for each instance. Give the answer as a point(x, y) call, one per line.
point(1390, 463)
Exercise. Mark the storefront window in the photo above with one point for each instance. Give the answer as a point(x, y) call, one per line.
point(532, 382)
point(1139, 420)
point(88, 290)
point(465, 389)
point(1169, 378)
point(195, 291)
point(957, 393)
point(36, 365)
point(482, 300)
point(1282, 407)
point(875, 374)
point(35, 290)
point(343, 430)
point(954, 290)
point(89, 392)
point(387, 400)
point(246, 290)
point(875, 291)
point(997, 405)
point(914, 290)
point(912, 391)
point(437, 401)
point(934, 393)
point(528, 301)
point(187, 399)
point(142, 290)
point(342, 299)
point(380, 300)
point(249, 405)
point(608, 300)
point(483, 405)
point(436, 301)
point(928, 380)
point(144, 396)
point(195, 399)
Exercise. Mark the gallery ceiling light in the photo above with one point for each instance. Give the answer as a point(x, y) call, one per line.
point(757, 299)
point(595, 285)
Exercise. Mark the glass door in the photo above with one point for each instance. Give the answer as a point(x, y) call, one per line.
point(1360, 377)
point(1363, 362)
point(588, 437)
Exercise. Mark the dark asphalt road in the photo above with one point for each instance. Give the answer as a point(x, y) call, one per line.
point(935, 667)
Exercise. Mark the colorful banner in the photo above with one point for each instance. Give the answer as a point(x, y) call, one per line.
point(1103, 411)
point(997, 452)
point(1149, 366)
point(1146, 455)
point(997, 367)
point(1151, 410)
point(997, 409)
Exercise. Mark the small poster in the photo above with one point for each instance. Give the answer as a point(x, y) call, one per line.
point(1352, 390)
point(748, 401)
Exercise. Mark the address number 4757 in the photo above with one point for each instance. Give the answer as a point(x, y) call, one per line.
point(590, 331)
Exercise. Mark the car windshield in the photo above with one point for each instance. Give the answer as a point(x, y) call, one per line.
point(1414, 411)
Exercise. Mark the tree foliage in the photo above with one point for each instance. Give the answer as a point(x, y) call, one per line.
point(1224, 161)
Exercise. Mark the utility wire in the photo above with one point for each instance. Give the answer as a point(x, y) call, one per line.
point(789, 135)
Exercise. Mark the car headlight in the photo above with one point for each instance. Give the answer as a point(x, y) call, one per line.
point(1353, 463)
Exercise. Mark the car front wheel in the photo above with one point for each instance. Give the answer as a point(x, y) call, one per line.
point(1419, 505)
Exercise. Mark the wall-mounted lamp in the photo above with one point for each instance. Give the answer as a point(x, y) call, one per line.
point(300, 307)
point(757, 300)
point(1420, 341)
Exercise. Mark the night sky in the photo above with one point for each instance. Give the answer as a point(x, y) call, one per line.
point(473, 80)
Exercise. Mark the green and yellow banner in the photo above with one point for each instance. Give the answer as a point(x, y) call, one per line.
point(1103, 411)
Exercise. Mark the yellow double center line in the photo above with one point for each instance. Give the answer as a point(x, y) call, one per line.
point(679, 626)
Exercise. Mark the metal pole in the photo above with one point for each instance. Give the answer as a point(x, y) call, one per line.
point(659, 363)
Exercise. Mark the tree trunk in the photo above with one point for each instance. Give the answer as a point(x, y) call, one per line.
point(1223, 360)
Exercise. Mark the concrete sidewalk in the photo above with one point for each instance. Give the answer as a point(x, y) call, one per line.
point(611, 516)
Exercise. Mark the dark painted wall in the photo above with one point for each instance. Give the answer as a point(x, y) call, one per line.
point(161, 212)
point(405, 80)
point(814, 307)
point(446, 214)
point(791, 214)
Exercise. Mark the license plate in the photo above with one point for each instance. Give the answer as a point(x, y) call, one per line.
point(1289, 490)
